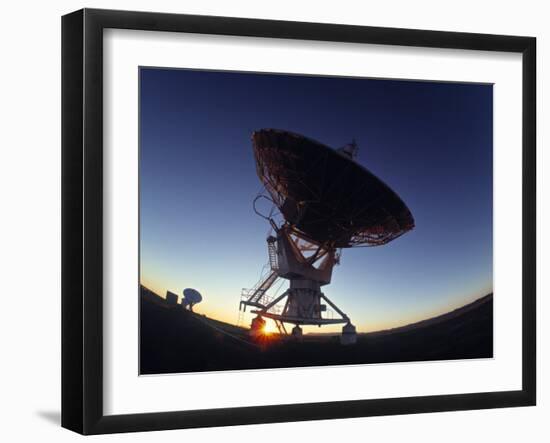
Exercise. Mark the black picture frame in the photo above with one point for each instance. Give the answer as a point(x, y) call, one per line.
point(82, 217)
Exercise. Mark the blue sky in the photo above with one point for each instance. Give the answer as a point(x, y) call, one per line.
point(431, 142)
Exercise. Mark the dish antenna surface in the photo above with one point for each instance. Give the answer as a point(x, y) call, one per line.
point(325, 195)
point(190, 298)
point(327, 201)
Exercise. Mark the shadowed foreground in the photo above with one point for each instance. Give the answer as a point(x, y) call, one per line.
point(174, 340)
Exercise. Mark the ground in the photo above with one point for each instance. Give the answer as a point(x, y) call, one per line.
point(174, 340)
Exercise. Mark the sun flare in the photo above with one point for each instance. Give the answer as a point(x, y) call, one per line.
point(269, 328)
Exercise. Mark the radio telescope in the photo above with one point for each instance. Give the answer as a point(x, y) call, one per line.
point(190, 298)
point(325, 202)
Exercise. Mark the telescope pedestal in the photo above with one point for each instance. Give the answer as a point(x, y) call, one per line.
point(349, 335)
point(297, 333)
point(308, 267)
point(302, 307)
point(257, 327)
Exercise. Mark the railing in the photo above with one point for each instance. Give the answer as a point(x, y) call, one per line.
point(261, 298)
point(260, 301)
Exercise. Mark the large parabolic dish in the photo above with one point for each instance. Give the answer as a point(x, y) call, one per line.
point(325, 195)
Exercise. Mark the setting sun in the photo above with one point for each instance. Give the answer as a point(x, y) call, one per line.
point(269, 328)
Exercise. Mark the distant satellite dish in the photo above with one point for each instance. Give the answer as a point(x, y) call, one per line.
point(190, 297)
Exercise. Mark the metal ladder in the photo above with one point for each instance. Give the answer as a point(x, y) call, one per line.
point(272, 253)
point(258, 294)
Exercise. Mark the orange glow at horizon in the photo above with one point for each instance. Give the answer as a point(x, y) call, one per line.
point(211, 307)
point(269, 327)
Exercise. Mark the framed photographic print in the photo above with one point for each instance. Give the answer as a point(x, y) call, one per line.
point(269, 221)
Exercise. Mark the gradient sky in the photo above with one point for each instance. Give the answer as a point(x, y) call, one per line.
point(431, 142)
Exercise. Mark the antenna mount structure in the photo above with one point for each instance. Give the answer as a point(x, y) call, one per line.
point(328, 202)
